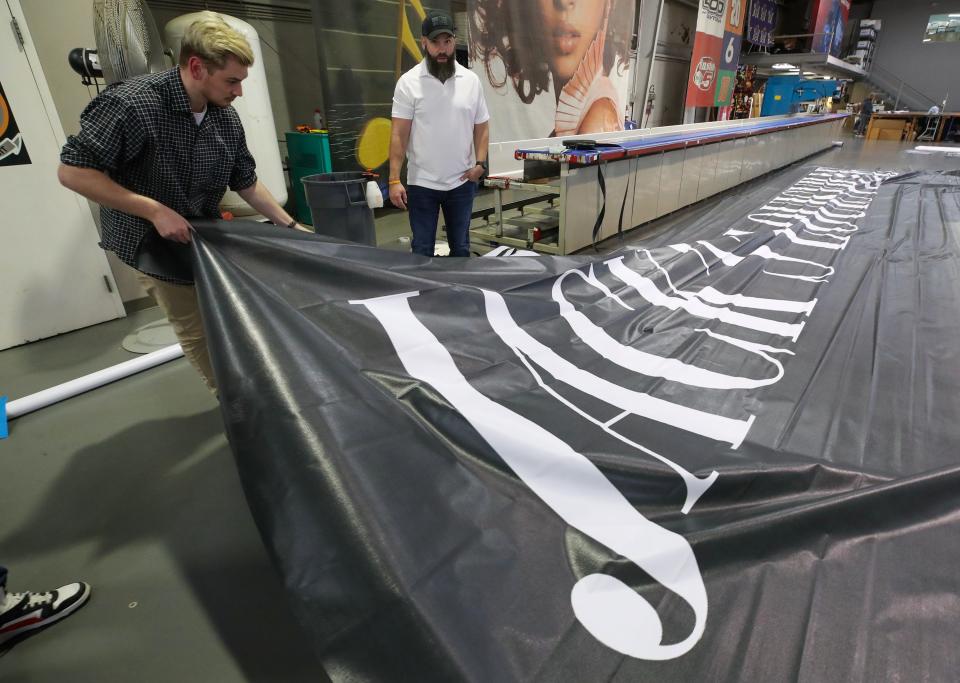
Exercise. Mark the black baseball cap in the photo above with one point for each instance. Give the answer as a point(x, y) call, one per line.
point(436, 23)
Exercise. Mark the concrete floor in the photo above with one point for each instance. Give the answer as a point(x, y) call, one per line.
point(132, 488)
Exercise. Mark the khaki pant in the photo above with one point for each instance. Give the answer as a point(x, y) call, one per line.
point(180, 304)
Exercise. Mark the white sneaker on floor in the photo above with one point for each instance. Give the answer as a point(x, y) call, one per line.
point(22, 613)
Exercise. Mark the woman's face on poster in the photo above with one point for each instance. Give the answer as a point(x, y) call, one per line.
point(569, 27)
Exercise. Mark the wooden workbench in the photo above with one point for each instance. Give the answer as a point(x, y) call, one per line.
point(907, 125)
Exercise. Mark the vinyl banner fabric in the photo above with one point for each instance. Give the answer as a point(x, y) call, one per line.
point(716, 53)
point(707, 47)
point(730, 54)
point(704, 69)
point(729, 453)
point(552, 69)
point(762, 22)
point(831, 18)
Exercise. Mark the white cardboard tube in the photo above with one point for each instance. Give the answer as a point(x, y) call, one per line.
point(47, 397)
point(951, 149)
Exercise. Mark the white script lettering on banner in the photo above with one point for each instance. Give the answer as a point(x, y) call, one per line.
point(824, 205)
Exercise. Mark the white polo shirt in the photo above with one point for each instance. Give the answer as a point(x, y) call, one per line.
point(440, 149)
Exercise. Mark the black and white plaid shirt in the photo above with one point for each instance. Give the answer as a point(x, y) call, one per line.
point(142, 134)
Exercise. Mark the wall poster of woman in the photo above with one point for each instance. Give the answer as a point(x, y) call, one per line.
point(552, 67)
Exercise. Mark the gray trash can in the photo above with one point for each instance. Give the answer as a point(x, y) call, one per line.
point(338, 204)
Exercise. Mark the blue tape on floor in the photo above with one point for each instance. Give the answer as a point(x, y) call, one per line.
point(3, 417)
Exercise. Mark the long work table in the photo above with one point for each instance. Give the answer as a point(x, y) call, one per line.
point(641, 175)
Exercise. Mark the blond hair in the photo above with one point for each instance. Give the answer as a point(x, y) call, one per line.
point(213, 40)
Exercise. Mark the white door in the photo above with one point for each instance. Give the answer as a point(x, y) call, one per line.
point(53, 276)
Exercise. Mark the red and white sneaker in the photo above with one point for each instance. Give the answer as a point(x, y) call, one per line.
point(21, 613)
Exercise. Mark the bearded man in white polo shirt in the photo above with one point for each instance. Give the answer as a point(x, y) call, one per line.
point(440, 124)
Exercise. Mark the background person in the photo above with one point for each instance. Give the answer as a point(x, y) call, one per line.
point(440, 124)
point(866, 111)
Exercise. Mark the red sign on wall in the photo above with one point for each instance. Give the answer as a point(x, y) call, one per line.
point(716, 52)
point(703, 71)
point(707, 51)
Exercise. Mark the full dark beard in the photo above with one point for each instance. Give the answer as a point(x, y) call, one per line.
point(441, 70)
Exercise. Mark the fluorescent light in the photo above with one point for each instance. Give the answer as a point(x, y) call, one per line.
point(953, 15)
point(784, 66)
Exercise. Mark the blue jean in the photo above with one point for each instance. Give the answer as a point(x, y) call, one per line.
point(860, 128)
point(425, 204)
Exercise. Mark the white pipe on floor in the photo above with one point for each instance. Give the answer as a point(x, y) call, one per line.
point(952, 149)
point(47, 397)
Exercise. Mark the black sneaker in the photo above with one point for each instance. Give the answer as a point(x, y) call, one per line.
point(21, 613)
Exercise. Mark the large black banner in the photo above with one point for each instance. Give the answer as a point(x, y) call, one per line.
point(729, 454)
